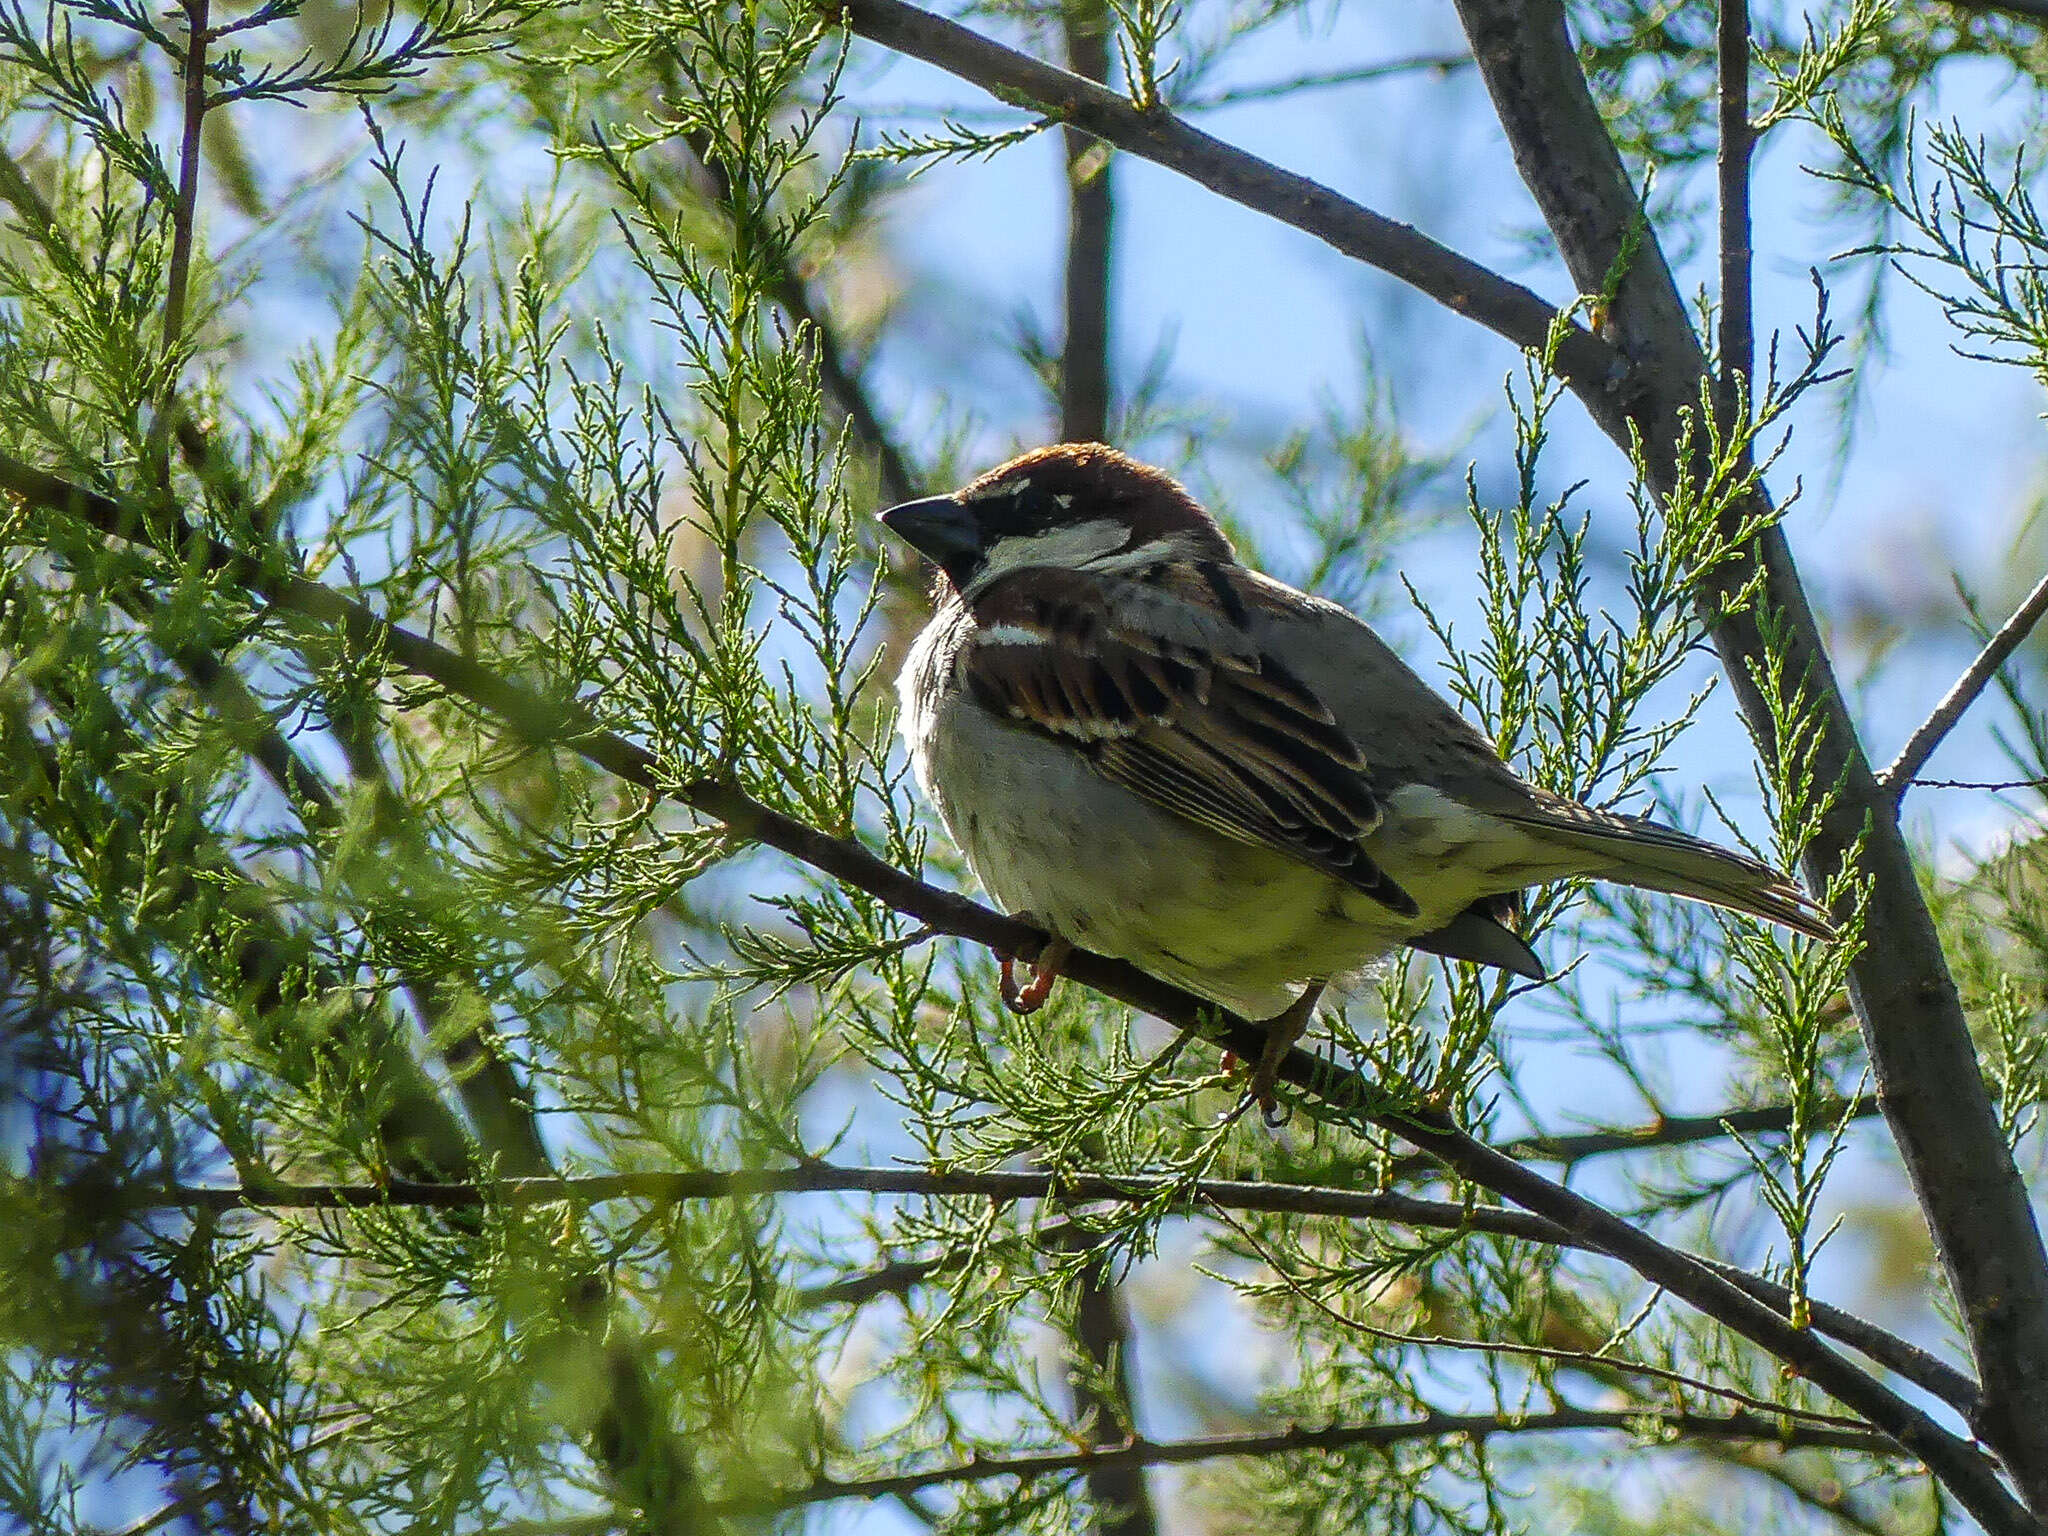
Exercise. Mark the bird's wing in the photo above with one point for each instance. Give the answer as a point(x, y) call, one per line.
point(1155, 679)
point(1413, 736)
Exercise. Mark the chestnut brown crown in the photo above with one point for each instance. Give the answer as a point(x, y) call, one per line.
point(1072, 505)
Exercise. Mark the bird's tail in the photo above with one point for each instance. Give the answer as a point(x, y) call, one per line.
point(1661, 858)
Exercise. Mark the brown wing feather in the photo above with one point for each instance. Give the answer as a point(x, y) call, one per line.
point(1220, 734)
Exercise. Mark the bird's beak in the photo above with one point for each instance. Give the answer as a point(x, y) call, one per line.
point(939, 528)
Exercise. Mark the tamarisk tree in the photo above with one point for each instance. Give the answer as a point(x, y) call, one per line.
point(492, 1041)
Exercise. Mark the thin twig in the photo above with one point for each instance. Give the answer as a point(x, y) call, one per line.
point(1670, 1131)
point(1653, 1426)
point(1521, 1349)
point(1344, 1093)
point(1318, 80)
point(1977, 676)
point(2033, 10)
point(1993, 784)
point(1663, 1428)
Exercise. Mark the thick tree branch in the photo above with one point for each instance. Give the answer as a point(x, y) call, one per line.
point(1977, 676)
point(1933, 1095)
point(1344, 1093)
point(1398, 249)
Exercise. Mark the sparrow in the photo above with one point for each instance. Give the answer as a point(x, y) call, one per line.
point(1152, 751)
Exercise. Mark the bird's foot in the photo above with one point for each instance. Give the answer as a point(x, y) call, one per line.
point(1282, 1030)
point(1045, 970)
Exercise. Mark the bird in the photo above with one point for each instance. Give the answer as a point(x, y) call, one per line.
point(1150, 750)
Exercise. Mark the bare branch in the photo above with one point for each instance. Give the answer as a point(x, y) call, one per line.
point(184, 218)
point(1472, 290)
point(1991, 784)
point(1977, 676)
point(185, 212)
point(1091, 218)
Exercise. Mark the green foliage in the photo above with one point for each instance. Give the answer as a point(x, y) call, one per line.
point(571, 381)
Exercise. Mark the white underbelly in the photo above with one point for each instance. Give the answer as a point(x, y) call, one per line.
point(1045, 834)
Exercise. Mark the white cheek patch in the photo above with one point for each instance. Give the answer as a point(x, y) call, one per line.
point(1071, 547)
point(1009, 634)
point(1150, 553)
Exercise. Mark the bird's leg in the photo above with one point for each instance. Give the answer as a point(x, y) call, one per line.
point(1045, 970)
point(1282, 1030)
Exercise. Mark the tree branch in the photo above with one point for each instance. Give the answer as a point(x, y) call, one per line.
point(1921, 1052)
point(1654, 1426)
point(1671, 1131)
point(1101, 1379)
point(1977, 676)
point(2032, 10)
point(1091, 218)
point(185, 211)
point(1400, 250)
point(184, 219)
point(1911, 1362)
point(1738, 327)
point(1316, 80)
point(1345, 1094)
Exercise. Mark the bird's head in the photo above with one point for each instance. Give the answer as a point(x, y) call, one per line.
point(1078, 506)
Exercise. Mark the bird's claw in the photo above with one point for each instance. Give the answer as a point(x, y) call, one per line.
point(1281, 1033)
point(1045, 970)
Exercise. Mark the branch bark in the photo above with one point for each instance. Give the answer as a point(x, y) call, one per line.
point(1925, 1065)
point(1091, 219)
